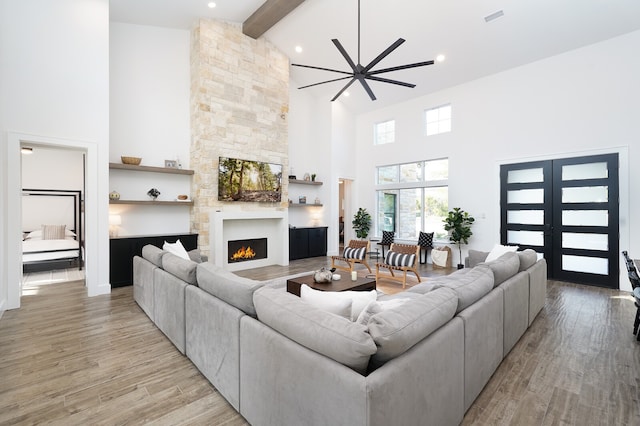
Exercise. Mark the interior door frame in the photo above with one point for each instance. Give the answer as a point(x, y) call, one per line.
point(623, 187)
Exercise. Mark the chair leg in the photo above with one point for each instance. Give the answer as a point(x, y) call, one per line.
point(636, 322)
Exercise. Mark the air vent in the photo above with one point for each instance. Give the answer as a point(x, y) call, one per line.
point(494, 15)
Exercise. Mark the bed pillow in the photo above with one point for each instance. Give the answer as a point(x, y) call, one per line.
point(53, 232)
point(177, 249)
point(37, 235)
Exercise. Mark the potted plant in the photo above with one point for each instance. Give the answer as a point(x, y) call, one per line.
point(361, 223)
point(458, 224)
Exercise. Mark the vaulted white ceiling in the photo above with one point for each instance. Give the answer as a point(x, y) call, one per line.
point(528, 31)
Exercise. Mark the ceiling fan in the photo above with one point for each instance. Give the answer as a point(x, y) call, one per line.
point(362, 73)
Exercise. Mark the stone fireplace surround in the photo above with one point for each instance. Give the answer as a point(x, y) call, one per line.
point(232, 224)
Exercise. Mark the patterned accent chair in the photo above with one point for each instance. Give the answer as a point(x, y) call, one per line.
point(387, 240)
point(425, 241)
point(355, 252)
point(400, 257)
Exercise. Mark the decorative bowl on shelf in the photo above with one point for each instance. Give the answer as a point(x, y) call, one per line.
point(131, 160)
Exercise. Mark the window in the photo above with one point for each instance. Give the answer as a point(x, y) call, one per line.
point(412, 197)
point(385, 132)
point(438, 120)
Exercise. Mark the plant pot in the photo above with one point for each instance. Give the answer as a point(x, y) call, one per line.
point(460, 266)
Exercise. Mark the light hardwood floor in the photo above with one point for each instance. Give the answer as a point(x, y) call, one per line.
point(72, 360)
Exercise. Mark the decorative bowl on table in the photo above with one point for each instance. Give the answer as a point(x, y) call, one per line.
point(135, 161)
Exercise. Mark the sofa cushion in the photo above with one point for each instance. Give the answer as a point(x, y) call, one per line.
point(528, 258)
point(469, 287)
point(394, 258)
point(153, 254)
point(397, 329)
point(475, 257)
point(388, 301)
point(354, 253)
point(179, 267)
point(504, 267)
point(227, 286)
point(344, 341)
point(423, 287)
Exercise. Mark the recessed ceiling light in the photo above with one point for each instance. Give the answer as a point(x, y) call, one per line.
point(494, 15)
point(299, 49)
point(440, 58)
point(26, 150)
point(211, 5)
point(346, 94)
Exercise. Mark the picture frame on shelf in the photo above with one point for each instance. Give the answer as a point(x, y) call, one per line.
point(171, 164)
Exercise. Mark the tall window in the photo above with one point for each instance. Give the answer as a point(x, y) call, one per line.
point(438, 120)
point(412, 197)
point(385, 132)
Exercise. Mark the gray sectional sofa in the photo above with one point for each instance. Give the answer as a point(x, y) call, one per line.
point(422, 359)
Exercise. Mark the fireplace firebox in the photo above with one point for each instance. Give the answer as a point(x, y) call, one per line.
point(247, 249)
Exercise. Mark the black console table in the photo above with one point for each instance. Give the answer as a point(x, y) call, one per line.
point(122, 250)
point(307, 242)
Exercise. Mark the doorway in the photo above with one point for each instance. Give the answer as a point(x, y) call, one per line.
point(567, 210)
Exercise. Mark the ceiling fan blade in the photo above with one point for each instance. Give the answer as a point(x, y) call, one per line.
point(343, 89)
point(367, 88)
point(321, 69)
point(401, 67)
point(323, 82)
point(381, 56)
point(345, 54)
point(386, 80)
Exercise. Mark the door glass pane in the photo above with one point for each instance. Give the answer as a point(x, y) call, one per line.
point(409, 216)
point(585, 241)
point(526, 217)
point(436, 207)
point(585, 171)
point(585, 194)
point(592, 265)
point(526, 196)
point(525, 176)
point(530, 238)
point(386, 211)
point(585, 217)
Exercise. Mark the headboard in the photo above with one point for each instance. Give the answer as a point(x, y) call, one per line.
point(51, 207)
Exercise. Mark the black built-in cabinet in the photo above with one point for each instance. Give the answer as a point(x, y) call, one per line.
point(307, 242)
point(122, 250)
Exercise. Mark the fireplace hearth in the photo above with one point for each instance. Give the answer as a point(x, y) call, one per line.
point(247, 249)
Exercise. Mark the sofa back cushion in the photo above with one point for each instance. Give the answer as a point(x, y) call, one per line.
point(469, 287)
point(180, 268)
point(333, 336)
point(528, 258)
point(227, 286)
point(398, 329)
point(153, 254)
point(504, 267)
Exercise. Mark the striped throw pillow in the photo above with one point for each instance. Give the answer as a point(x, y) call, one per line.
point(53, 232)
point(399, 259)
point(354, 253)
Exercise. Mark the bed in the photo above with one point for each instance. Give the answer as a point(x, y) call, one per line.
point(52, 230)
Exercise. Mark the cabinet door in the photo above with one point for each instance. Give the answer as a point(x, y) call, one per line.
point(298, 244)
point(120, 262)
point(317, 242)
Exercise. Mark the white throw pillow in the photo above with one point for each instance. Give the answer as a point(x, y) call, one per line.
point(378, 306)
point(326, 301)
point(176, 248)
point(498, 251)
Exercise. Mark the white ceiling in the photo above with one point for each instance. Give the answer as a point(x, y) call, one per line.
point(528, 31)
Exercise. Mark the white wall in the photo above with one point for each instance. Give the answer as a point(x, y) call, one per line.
point(55, 89)
point(149, 118)
point(580, 102)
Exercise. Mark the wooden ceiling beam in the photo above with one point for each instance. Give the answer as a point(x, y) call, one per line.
point(269, 14)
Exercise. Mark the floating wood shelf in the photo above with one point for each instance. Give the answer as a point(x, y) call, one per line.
point(305, 182)
point(150, 169)
point(304, 205)
point(153, 203)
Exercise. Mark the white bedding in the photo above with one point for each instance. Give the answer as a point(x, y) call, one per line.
point(37, 250)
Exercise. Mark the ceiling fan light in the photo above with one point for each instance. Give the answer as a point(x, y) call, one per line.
point(298, 49)
point(211, 5)
point(440, 58)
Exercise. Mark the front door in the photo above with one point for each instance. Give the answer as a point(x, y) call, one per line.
point(566, 210)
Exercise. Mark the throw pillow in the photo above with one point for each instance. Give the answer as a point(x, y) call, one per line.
point(387, 237)
point(53, 232)
point(425, 239)
point(326, 301)
point(358, 300)
point(498, 250)
point(176, 248)
point(377, 306)
point(399, 259)
point(354, 253)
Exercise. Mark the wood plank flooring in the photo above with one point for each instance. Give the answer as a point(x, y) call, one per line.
point(72, 360)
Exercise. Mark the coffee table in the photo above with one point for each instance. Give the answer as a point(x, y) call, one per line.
point(344, 284)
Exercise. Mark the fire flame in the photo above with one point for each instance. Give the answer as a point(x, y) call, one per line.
point(243, 253)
